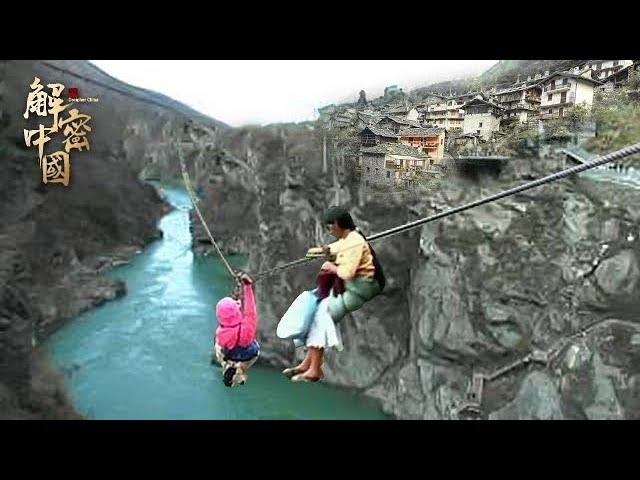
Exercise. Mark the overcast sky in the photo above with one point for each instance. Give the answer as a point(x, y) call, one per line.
point(240, 92)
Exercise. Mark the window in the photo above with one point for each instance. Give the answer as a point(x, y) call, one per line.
point(368, 169)
point(550, 111)
point(565, 81)
point(560, 111)
point(549, 97)
point(480, 124)
point(431, 161)
point(615, 63)
point(563, 97)
point(478, 132)
point(388, 174)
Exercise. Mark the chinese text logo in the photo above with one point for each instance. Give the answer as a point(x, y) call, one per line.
point(75, 127)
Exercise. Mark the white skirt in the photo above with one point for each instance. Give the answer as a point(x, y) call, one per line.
point(323, 332)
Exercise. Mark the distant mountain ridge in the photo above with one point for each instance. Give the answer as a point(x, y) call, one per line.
point(88, 70)
point(503, 73)
point(509, 70)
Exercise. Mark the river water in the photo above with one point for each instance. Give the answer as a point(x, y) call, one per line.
point(146, 355)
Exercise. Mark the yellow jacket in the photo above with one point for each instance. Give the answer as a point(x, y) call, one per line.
point(353, 257)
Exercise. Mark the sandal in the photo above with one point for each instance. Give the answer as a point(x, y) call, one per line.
point(227, 376)
point(290, 372)
point(301, 378)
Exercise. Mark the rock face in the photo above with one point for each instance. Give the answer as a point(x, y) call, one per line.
point(553, 269)
point(467, 294)
point(274, 217)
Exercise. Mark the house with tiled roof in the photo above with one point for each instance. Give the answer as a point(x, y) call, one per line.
point(563, 90)
point(520, 103)
point(367, 118)
point(427, 140)
point(482, 117)
point(395, 123)
point(407, 112)
point(622, 76)
point(373, 135)
point(447, 113)
point(391, 164)
point(603, 69)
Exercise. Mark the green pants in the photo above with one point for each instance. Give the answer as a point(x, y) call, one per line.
point(357, 292)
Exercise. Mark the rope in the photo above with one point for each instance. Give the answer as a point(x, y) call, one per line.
point(284, 266)
point(610, 157)
point(187, 184)
point(624, 152)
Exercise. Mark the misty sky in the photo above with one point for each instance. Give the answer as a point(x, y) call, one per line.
point(240, 92)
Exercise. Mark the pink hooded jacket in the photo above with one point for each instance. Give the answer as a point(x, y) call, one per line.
point(235, 328)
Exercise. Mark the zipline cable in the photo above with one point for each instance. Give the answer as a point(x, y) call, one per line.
point(610, 157)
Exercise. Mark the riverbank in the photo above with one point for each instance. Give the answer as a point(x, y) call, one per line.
point(54, 245)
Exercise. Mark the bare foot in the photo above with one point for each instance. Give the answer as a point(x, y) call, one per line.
point(290, 372)
point(303, 367)
point(300, 368)
point(310, 376)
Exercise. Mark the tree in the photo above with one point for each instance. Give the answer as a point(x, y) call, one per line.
point(475, 85)
point(617, 128)
point(576, 117)
point(362, 100)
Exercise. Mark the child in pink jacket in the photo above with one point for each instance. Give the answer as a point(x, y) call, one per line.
point(235, 344)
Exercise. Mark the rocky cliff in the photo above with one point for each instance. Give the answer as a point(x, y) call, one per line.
point(552, 273)
point(543, 285)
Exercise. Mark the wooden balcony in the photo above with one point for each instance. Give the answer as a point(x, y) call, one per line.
point(557, 88)
point(520, 106)
point(547, 116)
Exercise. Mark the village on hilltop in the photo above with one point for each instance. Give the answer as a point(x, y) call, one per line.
point(400, 141)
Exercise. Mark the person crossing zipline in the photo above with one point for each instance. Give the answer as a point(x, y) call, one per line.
point(235, 346)
point(344, 285)
point(354, 282)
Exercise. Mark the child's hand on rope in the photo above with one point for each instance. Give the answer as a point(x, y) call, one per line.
point(237, 289)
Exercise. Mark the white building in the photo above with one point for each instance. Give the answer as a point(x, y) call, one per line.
point(520, 103)
point(564, 90)
point(622, 76)
point(406, 112)
point(482, 117)
point(447, 114)
point(605, 68)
